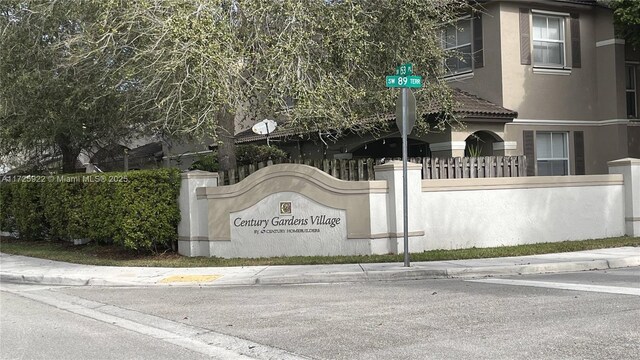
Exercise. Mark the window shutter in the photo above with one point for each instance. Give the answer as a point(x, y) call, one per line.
point(529, 152)
point(576, 58)
point(525, 38)
point(578, 144)
point(478, 53)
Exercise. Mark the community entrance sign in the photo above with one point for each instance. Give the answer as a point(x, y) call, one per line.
point(287, 223)
point(405, 119)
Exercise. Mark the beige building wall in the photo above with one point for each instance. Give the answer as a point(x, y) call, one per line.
point(541, 95)
point(602, 143)
point(486, 80)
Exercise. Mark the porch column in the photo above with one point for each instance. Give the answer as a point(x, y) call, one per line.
point(448, 149)
point(505, 148)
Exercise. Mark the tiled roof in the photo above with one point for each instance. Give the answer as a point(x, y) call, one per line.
point(470, 105)
point(467, 105)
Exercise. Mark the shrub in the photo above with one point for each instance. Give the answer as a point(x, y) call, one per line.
point(26, 210)
point(147, 212)
point(207, 162)
point(137, 210)
point(61, 202)
point(249, 154)
point(7, 221)
point(245, 155)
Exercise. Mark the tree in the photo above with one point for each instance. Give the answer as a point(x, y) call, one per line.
point(627, 18)
point(45, 105)
point(201, 66)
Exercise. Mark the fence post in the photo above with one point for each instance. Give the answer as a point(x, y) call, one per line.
point(232, 176)
point(370, 173)
point(426, 168)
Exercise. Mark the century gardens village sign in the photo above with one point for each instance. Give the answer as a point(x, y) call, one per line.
point(289, 223)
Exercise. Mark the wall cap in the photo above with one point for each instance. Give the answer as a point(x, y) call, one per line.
point(624, 162)
point(521, 182)
point(309, 174)
point(199, 174)
point(396, 165)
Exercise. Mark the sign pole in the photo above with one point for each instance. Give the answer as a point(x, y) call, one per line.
point(405, 119)
point(405, 195)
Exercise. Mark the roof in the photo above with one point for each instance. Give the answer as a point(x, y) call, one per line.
point(468, 106)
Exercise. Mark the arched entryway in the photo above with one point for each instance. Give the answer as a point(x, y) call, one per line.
point(480, 143)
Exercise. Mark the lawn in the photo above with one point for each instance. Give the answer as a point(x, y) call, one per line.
point(94, 254)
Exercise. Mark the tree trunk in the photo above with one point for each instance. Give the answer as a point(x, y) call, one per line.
point(69, 156)
point(226, 144)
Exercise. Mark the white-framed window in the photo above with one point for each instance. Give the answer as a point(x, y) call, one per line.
point(631, 89)
point(548, 40)
point(456, 41)
point(552, 153)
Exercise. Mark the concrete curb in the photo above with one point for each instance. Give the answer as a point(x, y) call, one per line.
point(344, 277)
point(472, 272)
point(60, 280)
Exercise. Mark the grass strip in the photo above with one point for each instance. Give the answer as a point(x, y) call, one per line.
point(109, 255)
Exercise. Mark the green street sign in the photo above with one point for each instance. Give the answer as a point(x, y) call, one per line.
point(404, 69)
point(394, 81)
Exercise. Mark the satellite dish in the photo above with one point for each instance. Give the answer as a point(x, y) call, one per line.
point(264, 127)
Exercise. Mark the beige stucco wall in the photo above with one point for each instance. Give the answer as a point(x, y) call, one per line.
point(542, 96)
point(462, 213)
point(602, 143)
point(486, 80)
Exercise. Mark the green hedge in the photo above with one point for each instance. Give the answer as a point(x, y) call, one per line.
point(137, 210)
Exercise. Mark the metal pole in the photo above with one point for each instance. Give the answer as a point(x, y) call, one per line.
point(405, 196)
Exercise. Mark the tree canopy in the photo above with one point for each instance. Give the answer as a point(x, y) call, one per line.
point(199, 67)
point(202, 66)
point(627, 17)
point(47, 107)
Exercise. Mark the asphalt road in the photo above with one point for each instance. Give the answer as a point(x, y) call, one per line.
point(586, 315)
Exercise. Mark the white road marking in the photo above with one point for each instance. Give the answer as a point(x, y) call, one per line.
point(563, 286)
point(204, 341)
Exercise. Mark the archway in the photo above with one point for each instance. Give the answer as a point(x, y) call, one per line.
point(480, 143)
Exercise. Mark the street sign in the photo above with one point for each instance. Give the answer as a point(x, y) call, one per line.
point(404, 69)
point(409, 111)
point(396, 81)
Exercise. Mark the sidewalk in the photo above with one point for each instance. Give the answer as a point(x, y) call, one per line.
point(21, 269)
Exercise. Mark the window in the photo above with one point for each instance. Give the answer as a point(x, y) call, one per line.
point(630, 75)
point(552, 154)
point(456, 41)
point(548, 41)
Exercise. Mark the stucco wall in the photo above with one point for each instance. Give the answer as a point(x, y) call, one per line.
point(602, 142)
point(368, 217)
point(463, 213)
point(541, 96)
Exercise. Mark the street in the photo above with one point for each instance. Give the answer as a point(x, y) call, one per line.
point(585, 315)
